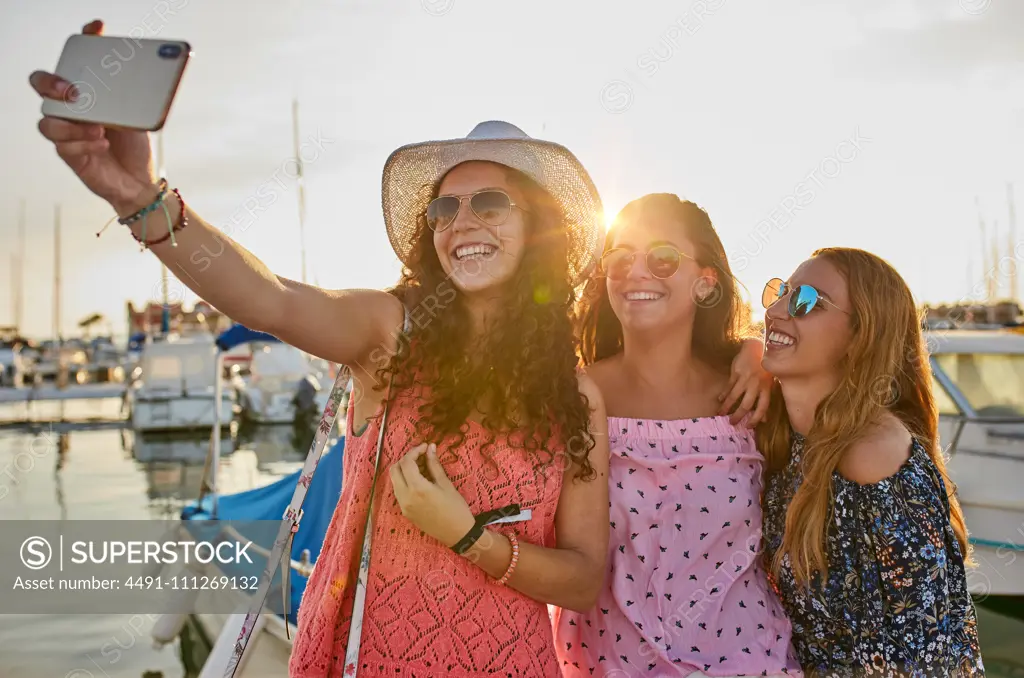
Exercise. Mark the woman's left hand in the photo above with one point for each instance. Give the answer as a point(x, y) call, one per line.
point(750, 382)
point(430, 501)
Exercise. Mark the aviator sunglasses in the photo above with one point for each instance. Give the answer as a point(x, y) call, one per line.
point(490, 206)
point(662, 261)
point(802, 299)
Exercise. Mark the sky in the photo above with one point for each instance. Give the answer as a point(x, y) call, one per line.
point(879, 124)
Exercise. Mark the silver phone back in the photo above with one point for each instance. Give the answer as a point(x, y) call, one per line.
point(121, 81)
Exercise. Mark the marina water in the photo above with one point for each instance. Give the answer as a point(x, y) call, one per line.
point(106, 474)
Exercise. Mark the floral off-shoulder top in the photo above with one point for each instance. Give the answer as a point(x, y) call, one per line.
point(895, 601)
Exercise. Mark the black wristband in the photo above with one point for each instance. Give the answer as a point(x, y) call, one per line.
point(471, 538)
point(482, 521)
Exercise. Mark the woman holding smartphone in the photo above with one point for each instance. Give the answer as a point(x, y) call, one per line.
point(864, 535)
point(473, 356)
point(685, 593)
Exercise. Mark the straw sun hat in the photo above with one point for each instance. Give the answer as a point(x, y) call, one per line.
point(411, 172)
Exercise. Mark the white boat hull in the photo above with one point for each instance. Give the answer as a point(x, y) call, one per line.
point(987, 471)
point(269, 407)
point(268, 652)
point(177, 413)
point(999, 570)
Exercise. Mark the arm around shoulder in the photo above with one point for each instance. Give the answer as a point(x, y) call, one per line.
point(590, 390)
point(597, 430)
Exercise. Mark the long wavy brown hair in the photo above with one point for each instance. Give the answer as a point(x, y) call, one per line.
point(886, 368)
point(719, 325)
point(521, 374)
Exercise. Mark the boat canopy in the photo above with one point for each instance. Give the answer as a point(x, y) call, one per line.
point(240, 334)
point(257, 514)
point(979, 374)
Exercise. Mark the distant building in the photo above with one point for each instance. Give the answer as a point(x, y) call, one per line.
point(1002, 313)
point(201, 318)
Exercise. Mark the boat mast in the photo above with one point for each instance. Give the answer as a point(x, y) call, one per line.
point(1011, 243)
point(299, 182)
point(56, 277)
point(984, 252)
point(165, 315)
point(18, 270)
point(14, 289)
point(61, 376)
point(970, 279)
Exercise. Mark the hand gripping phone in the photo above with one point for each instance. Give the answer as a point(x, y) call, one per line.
point(121, 81)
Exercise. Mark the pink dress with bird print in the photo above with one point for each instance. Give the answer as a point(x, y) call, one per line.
point(685, 591)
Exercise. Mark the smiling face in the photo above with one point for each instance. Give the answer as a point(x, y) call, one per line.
point(815, 344)
point(643, 301)
point(697, 302)
point(478, 256)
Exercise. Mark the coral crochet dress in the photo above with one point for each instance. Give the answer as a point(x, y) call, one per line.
point(429, 612)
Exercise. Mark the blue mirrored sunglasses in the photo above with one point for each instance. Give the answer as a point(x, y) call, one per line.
point(802, 299)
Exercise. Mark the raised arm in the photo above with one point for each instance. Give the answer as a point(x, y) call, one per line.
point(340, 326)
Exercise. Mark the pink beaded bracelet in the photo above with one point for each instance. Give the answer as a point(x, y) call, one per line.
point(515, 559)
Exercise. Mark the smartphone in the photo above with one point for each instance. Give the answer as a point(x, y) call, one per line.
point(121, 81)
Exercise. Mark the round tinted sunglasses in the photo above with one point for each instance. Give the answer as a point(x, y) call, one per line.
point(802, 299)
point(662, 261)
point(490, 206)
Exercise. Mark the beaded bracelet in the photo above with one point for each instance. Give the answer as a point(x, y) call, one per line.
point(179, 226)
point(141, 214)
point(515, 559)
point(151, 207)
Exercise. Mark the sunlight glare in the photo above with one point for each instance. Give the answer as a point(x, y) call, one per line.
point(609, 216)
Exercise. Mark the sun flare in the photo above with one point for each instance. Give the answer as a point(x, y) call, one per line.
point(609, 216)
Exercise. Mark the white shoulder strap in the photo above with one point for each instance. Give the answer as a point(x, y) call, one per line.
point(293, 515)
point(355, 629)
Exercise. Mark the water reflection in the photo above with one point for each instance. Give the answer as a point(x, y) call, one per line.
point(177, 465)
point(187, 447)
point(97, 410)
point(280, 440)
point(74, 472)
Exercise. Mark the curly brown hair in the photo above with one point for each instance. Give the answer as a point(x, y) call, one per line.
point(521, 373)
point(719, 326)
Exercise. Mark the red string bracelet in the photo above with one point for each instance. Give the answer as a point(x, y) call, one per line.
point(179, 226)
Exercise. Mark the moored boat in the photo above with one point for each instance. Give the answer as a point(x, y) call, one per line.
point(176, 386)
point(979, 387)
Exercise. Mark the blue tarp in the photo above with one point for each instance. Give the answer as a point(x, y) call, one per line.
point(136, 341)
point(268, 504)
point(240, 334)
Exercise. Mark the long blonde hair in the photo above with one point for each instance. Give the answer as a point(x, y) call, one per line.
point(887, 368)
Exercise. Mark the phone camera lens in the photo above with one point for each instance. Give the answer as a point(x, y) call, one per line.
point(170, 51)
